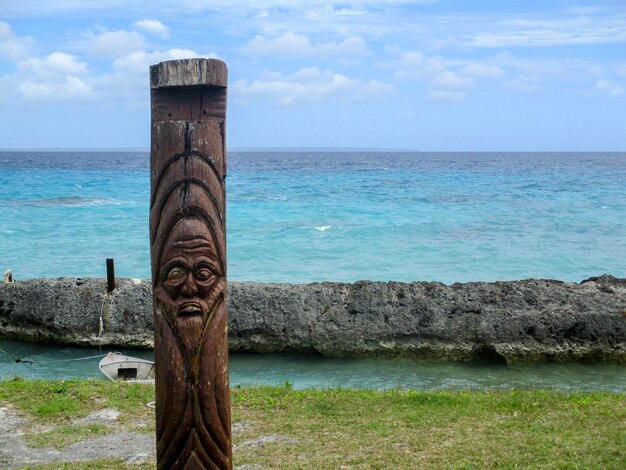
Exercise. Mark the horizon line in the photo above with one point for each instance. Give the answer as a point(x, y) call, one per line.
point(297, 149)
point(232, 149)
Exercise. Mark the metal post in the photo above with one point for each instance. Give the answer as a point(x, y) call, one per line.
point(188, 248)
point(110, 275)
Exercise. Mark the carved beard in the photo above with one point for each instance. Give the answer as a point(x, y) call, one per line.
point(197, 429)
point(191, 331)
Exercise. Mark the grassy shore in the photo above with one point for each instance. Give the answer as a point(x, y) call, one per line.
point(279, 427)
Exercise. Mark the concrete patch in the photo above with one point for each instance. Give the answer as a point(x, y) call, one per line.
point(132, 447)
point(104, 416)
point(241, 426)
point(264, 440)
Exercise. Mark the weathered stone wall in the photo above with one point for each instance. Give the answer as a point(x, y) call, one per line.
point(77, 311)
point(513, 321)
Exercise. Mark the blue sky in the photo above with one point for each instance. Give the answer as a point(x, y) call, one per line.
point(426, 75)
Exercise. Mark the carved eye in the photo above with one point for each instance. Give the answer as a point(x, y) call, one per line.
point(176, 274)
point(204, 274)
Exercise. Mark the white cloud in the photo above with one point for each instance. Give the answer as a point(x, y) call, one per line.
point(477, 70)
point(34, 7)
point(68, 87)
point(449, 87)
point(289, 44)
point(373, 90)
point(452, 81)
point(140, 61)
point(610, 88)
point(152, 27)
point(358, 10)
point(13, 47)
point(55, 76)
point(63, 76)
point(325, 13)
point(523, 84)
point(537, 68)
point(446, 96)
point(292, 44)
point(319, 30)
point(526, 75)
point(531, 74)
point(115, 44)
point(564, 29)
point(306, 85)
point(445, 85)
point(414, 65)
point(351, 47)
point(57, 62)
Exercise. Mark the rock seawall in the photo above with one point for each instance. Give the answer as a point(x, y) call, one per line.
point(513, 321)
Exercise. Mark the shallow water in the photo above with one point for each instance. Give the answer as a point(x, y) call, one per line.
point(310, 371)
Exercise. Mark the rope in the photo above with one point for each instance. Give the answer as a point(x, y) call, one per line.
point(29, 362)
point(100, 320)
point(105, 296)
point(17, 359)
point(70, 360)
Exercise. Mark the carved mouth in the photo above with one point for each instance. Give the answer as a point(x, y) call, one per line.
point(189, 309)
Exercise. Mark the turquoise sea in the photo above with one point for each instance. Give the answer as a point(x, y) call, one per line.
point(341, 216)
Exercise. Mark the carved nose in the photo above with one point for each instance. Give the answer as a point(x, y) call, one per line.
point(189, 287)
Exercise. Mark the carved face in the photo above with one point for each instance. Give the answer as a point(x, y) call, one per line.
point(190, 271)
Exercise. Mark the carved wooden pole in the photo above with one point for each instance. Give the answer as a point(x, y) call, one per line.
point(188, 248)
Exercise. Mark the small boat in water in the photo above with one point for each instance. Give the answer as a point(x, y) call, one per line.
point(117, 366)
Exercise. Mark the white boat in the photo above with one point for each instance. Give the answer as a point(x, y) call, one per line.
point(117, 366)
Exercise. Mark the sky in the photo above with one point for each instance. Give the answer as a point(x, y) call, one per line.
point(489, 75)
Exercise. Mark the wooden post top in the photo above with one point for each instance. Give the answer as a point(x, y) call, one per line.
point(188, 72)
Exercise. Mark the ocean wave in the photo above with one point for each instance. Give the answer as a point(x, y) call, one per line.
point(320, 228)
point(68, 201)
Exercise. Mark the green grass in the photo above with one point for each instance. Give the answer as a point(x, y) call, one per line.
point(408, 429)
point(59, 402)
point(342, 428)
